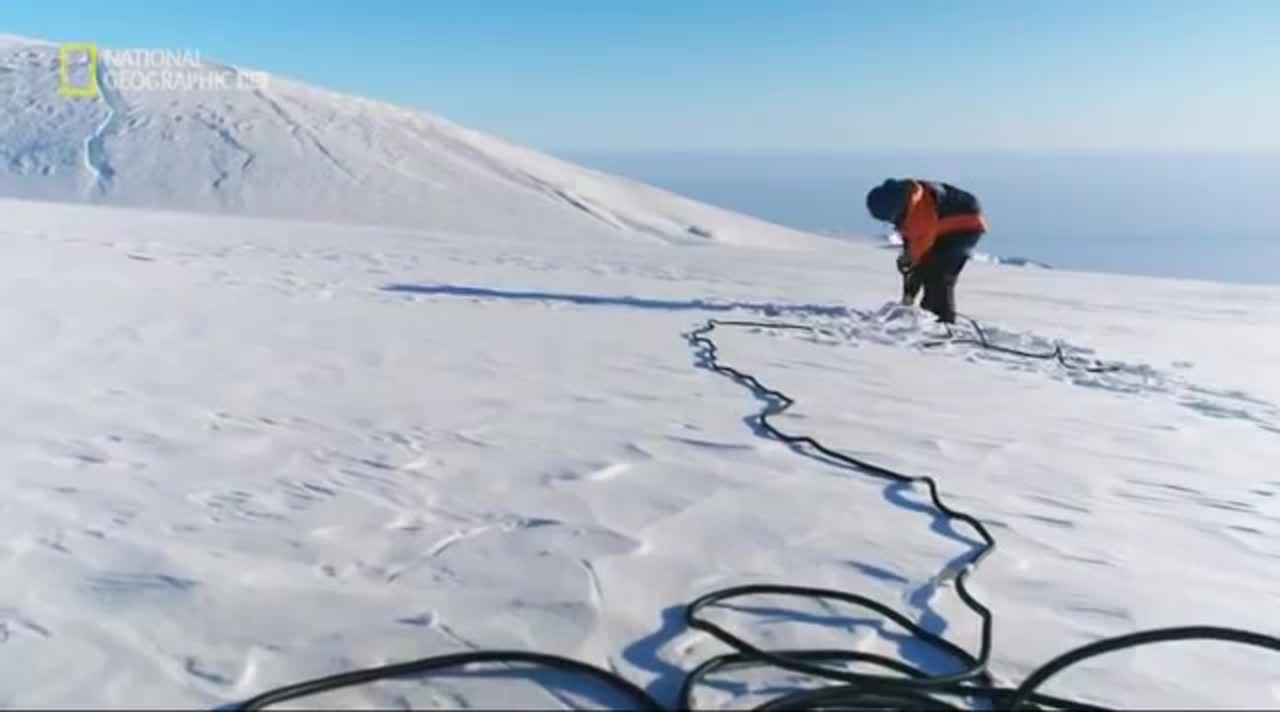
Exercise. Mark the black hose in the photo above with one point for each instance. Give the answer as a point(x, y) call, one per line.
point(418, 668)
point(902, 686)
point(1057, 354)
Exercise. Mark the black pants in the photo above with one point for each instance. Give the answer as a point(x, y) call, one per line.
point(938, 273)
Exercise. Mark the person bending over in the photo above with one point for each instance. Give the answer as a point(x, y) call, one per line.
point(940, 225)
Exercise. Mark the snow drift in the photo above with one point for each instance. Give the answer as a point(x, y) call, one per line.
point(256, 144)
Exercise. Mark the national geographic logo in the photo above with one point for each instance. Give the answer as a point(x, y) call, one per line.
point(82, 67)
point(82, 61)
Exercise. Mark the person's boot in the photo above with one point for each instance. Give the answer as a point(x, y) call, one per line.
point(945, 303)
point(930, 301)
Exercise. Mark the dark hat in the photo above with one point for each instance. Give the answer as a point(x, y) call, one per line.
point(887, 201)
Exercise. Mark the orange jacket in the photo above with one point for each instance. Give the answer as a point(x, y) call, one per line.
point(922, 226)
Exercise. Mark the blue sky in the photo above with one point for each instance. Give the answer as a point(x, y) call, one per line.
point(748, 75)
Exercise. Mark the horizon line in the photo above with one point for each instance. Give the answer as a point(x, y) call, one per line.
point(953, 151)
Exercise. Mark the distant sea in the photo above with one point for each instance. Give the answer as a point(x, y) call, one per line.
point(1198, 216)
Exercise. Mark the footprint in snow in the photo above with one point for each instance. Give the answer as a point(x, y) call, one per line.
point(897, 325)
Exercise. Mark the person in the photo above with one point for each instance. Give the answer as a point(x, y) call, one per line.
point(940, 225)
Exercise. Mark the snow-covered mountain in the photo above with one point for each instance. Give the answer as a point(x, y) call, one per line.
point(184, 133)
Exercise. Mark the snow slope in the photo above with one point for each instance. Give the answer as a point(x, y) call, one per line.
point(240, 453)
point(279, 148)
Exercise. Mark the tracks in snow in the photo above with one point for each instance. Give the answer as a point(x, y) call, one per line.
point(901, 327)
point(213, 123)
point(299, 131)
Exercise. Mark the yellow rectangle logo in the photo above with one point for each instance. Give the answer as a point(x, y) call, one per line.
point(65, 87)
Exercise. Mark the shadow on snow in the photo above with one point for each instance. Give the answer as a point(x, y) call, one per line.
point(451, 290)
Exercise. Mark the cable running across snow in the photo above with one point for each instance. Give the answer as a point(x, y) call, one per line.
point(901, 685)
point(1057, 354)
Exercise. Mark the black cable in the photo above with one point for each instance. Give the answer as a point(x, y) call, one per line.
point(862, 686)
point(424, 666)
point(863, 690)
point(1057, 354)
point(908, 687)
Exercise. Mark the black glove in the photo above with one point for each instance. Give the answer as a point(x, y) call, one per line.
point(904, 262)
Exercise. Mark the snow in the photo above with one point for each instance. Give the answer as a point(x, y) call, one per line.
point(240, 452)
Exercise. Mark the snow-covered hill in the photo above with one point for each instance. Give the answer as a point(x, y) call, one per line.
point(236, 453)
point(263, 145)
